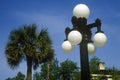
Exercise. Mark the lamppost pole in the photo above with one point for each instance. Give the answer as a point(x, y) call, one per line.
point(85, 72)
point(80, 35)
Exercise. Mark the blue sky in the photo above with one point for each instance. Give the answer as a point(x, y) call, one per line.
point(56, 16)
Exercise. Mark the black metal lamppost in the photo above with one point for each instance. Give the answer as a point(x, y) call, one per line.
point(81, 35)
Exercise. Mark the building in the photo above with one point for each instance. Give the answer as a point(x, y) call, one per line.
point(102, 73)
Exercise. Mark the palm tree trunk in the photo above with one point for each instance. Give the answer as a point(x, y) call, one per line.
point(48, 72)
point(29, 69)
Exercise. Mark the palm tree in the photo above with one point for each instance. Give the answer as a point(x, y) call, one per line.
point(28, 45)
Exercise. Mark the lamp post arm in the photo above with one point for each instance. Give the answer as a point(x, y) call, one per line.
point(97, 24)
point(90, 26)
point(67, 30)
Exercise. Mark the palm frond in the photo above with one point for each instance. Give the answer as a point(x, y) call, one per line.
point(45, 52)
point(13, 55)
point(26, 43)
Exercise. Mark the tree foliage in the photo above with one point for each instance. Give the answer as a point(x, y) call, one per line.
point(50, 72)
point(67, 70)
point(19, 76)
point(36, 76)
point(26, 44)
point(116, 73)
point(94, 64)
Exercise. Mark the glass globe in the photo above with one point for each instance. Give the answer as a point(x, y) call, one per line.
point(91, 48)
point(81, 10)
point(67, 47)
point(75, 37)
point(100, 39)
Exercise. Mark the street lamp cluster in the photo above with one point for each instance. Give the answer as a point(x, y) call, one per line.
point(81, 35)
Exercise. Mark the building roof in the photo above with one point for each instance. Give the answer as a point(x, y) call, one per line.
point(103, 72)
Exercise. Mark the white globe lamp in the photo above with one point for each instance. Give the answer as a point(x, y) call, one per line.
point(81, 10)
point(75, 37)
point(67, 47)
point(100, 39)
point(91, 48)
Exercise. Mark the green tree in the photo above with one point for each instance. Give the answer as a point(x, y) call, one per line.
point(53, 69)
point(49, 71)
point(94, 64)
point(67, 70)
point(8, 78)
point(26, 44)
point(19, 76)
point(116, 73)
point(36, 76)
point(77, 75)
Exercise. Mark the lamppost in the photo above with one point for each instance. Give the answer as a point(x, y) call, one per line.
point(81, 35)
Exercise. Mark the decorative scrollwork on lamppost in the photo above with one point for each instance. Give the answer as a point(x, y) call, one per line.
point(81, 35)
